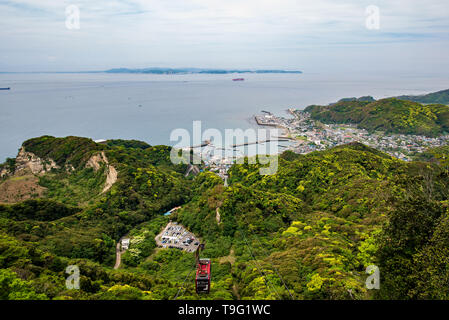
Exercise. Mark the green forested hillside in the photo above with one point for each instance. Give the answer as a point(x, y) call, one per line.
point(69, 150)
point(390, 115)
point(307, 232)
point(439, 155)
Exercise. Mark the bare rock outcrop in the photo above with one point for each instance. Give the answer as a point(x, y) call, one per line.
point(111, 178)
point(28, 161)
point(217, 215)
point(4, 173)
point(96, 162)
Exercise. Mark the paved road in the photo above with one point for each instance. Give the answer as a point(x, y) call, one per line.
point(118, 252)
point(118, 255)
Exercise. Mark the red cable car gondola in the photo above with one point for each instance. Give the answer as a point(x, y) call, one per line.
point(203, 273)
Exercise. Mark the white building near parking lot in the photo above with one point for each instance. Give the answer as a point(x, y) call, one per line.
point(125, 244)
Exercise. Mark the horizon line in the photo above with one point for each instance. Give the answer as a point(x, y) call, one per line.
point(165, 70)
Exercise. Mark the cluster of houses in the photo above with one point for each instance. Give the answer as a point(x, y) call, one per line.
point(311, 136)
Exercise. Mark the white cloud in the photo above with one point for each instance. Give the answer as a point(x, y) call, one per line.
point(221, 33)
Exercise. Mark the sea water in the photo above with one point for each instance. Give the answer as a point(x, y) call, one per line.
point(148, 107)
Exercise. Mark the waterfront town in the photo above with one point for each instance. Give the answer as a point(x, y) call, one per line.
point(306, 135)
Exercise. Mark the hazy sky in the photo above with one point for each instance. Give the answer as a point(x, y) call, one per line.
point(309, 35)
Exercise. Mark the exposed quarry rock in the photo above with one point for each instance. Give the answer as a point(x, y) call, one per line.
point(29, 161)
point(96, 161)
point(4, 173)
point(111, 178)
point(217, 215)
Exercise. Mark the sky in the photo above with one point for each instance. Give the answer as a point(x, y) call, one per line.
point(314, 36)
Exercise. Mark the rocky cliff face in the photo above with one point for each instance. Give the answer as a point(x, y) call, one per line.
point(28, 161)
point(96, 161)
point(24, 183)
point(4, 173)
point(111, 178)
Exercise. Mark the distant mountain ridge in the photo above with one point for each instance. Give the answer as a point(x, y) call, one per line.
point(361, 99)
point(195, 71)
point(434, 97)
point(438, 97)
point(426, 114)
point(390, 115)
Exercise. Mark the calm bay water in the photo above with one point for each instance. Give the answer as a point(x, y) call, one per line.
point(149, 107)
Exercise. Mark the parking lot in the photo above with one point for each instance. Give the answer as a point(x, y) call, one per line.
point(177, 236)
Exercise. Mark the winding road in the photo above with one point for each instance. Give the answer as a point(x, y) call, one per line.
point(118, 255)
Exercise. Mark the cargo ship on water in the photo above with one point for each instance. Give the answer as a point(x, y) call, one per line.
point(5, 88)
point(238, 79)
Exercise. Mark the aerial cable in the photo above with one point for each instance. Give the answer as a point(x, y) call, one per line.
point(259, 268)
point(185, 279)
point(275, 269)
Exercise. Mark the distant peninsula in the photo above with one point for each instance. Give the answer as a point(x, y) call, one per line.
point(390, 115)
point(434, 97)
point(195, 71)
point(439, 97)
